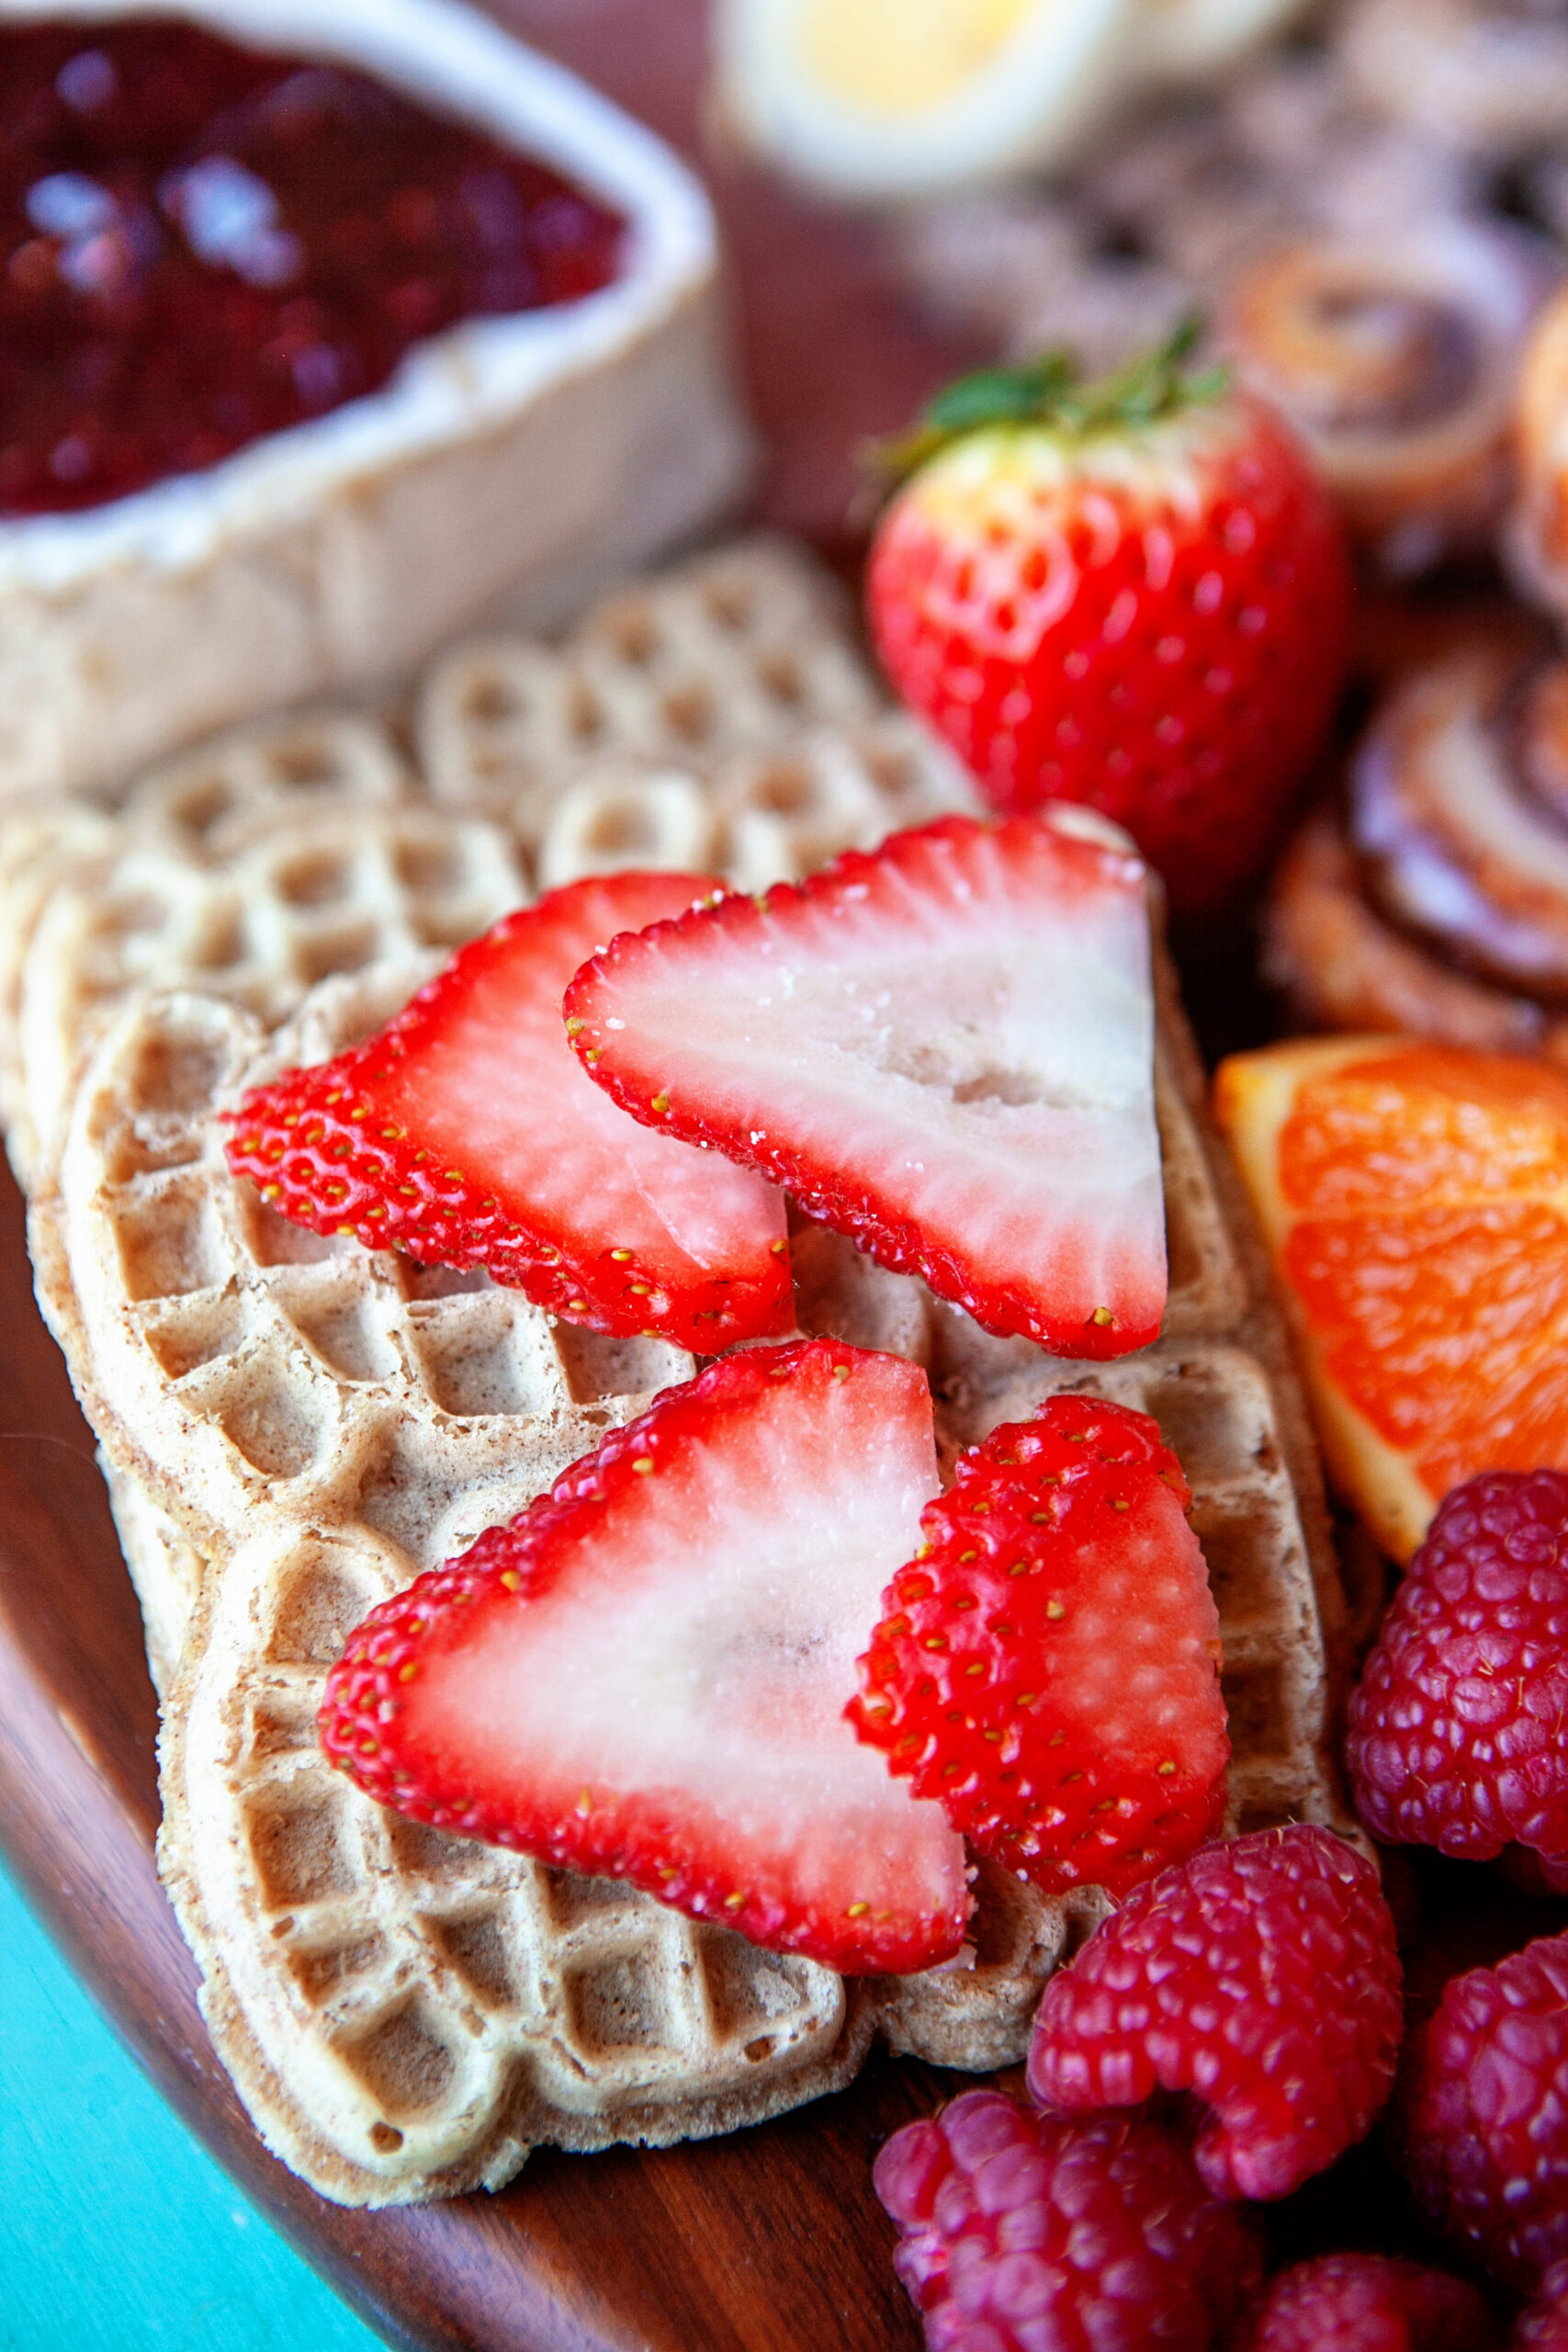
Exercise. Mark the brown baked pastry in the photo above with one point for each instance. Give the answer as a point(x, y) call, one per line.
point(1439, 903)
point(1459, 812)
point(1396, 357)
point(1340, 964)
point(1488, 76)
point(1535, 541)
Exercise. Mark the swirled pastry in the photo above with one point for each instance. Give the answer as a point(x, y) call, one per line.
point(1490, 75)
point(1536, 540)
point(1458, 812)
point(1396, 357)
point(1339, 964)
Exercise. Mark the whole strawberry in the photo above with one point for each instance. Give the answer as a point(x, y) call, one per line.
point(1456, 1729)
point(1481, 2117)
point(1133, 593)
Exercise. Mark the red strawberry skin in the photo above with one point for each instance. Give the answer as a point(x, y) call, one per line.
point(944, 1049)
point(1153, 620)
point(643, 1675)
point(1046, 1668)
point(466, 1135)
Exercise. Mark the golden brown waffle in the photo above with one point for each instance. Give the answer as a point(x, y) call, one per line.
point(189, 816)
point(274, 902)
point(685, 725)
point(295, 1426)
point(405, 2013)
point(735, 650)
point(757, 817)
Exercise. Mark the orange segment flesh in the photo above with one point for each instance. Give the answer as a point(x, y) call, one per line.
point(1416, 1201)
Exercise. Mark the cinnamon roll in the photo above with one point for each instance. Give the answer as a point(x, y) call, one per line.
point(1396, 357)
point(1489, 75)
point(1339, 965)
point(1536, 539)
point(1459, 814)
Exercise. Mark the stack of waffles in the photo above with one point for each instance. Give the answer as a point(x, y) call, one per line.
point(294, 1427)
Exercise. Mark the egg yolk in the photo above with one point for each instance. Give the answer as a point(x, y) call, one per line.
point(902, 57)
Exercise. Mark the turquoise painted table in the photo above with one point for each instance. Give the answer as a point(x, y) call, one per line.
point(118, 2232)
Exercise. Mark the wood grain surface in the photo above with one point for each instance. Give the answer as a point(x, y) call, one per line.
point(768, 2241)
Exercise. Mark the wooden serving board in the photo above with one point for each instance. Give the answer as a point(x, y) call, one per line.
point(766, 2241)
point(770, 2240)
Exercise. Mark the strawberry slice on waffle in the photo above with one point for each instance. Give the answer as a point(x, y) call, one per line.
point(1048, 1666)
point(944, 1049)
point(644, 1673)
point(465, 1134)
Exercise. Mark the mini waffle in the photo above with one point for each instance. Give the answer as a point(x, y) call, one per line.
point(685, 725)
point(759, 816)
point(736, 650)
point(406, 2014)
point(256, 916)
point(400, 2010)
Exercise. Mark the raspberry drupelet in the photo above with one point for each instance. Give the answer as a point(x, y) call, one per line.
point(1482, 2113)
point(1368, 2302)
point(1261, 1975)
point(1544, 2326)
point(1024, 2232)
point(1455, 1732)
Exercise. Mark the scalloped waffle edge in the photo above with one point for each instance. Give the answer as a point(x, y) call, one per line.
point(714, 717)
point(349, 1989)
point(250, 1382)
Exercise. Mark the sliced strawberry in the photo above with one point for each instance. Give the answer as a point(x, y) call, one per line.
point(944, 1049)
point(1047, 1664)
point(466, 1133)
point(644, 1673)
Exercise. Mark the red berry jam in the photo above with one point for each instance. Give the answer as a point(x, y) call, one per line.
point(201, 243)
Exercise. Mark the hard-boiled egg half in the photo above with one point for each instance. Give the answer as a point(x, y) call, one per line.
point(895, 98)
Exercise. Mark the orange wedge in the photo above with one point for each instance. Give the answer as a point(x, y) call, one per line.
point(1414, 1199)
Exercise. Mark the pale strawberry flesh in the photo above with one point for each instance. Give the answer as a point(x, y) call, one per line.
point(944, 1049)
point(645, 1674)
point(466, 1133)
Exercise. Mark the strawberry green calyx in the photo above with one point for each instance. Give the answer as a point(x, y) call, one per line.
point(1134, 594)
point(1049, 391)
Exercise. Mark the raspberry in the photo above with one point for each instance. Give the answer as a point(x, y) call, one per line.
point(1544, 2327)
point(1025, 2233)
point(1367, 2302)
point(1261, 1974)
point(1483, 2112)
point(1455, 1736)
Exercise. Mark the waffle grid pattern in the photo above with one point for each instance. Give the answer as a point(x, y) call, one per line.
point(263, 1382)
point(306, 896)
point(716, 719)
point(295, 1427)
point(736, 651)
point(452, 2003)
